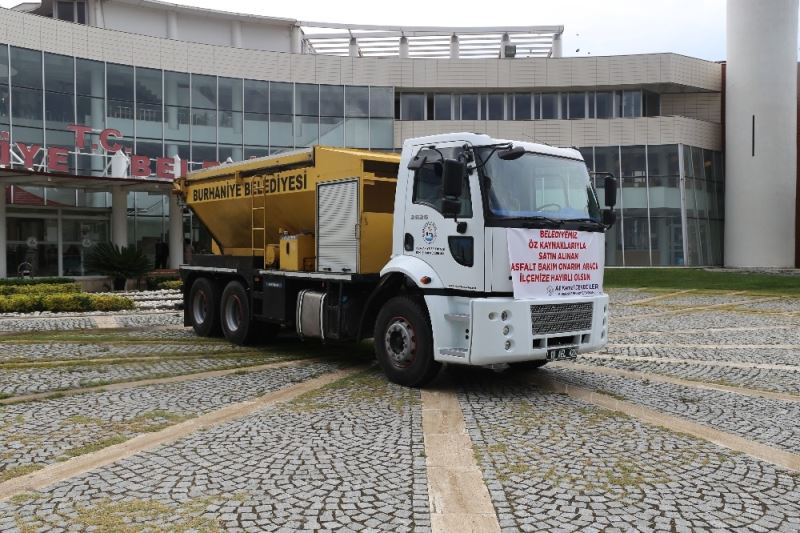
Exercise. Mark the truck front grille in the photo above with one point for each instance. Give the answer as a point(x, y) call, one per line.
point(561, 318)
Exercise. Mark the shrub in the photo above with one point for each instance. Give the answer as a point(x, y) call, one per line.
point(111, 303)
point(33, 281)
point(154, 282)
point(40, 288)
point(120, 263)
point(171, 284)
point(63, 303)
point(21, 303)
point(60, 303)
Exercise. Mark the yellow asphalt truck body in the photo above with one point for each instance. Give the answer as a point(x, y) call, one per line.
point(462, 249)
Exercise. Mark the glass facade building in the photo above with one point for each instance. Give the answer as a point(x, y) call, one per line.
point(200, 118)
point(670, 204)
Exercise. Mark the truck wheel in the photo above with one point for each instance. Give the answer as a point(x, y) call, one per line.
point(203, 302)
point(235, 313)
point(404, 342)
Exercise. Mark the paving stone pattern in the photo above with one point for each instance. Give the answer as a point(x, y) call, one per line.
point(737, 355)
point(15, 352)
point(348, 457)
point(753, 378)
point(151, 319)
point(46, 324)
point(33, 380)
point(43, 431)
point(552, 463)
point(768, 421)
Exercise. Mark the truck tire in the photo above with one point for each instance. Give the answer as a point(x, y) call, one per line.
point(234, 314)
point(404, 342)
point(202, 307)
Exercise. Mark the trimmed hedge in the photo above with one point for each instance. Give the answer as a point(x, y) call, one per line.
point(170, 284)
point(154, 281)
point(63, 302)
point(33, 281)
point(43, 288)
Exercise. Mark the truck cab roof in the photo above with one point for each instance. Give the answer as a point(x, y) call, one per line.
point(479, 139)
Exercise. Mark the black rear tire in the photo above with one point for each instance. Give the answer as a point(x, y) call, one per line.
point(203, 308)
point(234, 314)
point(404, 342)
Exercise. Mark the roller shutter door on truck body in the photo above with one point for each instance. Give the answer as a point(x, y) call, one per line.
point(337, 226)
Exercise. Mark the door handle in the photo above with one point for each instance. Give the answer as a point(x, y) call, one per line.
point(408, 242)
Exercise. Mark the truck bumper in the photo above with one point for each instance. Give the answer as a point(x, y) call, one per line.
point(504, 330)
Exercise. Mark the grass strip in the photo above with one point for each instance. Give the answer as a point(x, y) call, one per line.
point(702, 279)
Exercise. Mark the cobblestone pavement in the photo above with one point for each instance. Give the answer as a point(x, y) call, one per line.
point(554, 463)
point(61, 349)
point(35, 380)
point(347, 457)
point(751, 378)
point(37, 433)
point(768, 421)
point(53, 322)
point(351, 457)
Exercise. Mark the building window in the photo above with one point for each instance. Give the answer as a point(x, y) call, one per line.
point(442, 107)
point(630, 104)
point(549, 109)
point(70, 11)
point(380, 102)
point(652, 104)
point(602, 105)
point(469, 107)
point(577, 105)
point(496, 107)
point(412, 106)
point(522, 106)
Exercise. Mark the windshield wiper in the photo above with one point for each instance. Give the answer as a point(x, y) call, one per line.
point(555, 223)
point(585, 221)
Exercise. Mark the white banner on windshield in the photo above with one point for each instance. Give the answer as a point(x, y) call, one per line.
point(555, 262)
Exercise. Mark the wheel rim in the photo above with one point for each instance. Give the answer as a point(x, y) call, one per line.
point(233, 313)
point(200, 307)
point(401, 342)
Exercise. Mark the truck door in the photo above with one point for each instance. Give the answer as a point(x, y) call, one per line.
point(457, 257)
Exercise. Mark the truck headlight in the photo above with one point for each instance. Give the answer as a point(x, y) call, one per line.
point(505, 315)
point(506, 330)
point(509, 344)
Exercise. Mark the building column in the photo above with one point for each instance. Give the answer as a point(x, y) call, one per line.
point(556, 50)
point(504, 41)
point(296, 43)
point(353, 47)
point(403, 47)
point(172, 25)
point(761, 133)
point(454, 51)
point(119, 216)
point(3, 233)
point(236, 33)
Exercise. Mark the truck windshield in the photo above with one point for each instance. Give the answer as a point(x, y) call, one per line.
point(537, 186)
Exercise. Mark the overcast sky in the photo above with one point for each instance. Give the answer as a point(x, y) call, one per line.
point(596, 27)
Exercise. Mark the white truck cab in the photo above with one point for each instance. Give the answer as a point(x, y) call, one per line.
point(510, 260)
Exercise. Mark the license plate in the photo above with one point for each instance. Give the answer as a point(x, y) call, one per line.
point(565, 352)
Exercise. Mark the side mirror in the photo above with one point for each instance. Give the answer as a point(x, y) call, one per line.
point(611, 191)
point(509, 154)
point(609, 217)
point(453, 178)
point(452, 187)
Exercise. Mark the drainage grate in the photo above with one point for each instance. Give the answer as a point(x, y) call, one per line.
point(561, 318)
